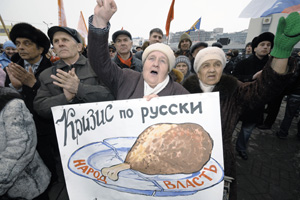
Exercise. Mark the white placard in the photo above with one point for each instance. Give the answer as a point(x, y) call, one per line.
point(93, 136)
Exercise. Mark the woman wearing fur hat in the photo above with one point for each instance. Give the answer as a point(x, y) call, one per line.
point(158, 60)
point(235, 96)
point(9, 50)
point(22, 172)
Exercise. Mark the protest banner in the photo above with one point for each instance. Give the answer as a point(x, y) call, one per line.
point(137, 149)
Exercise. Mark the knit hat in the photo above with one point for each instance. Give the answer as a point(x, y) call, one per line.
point(9, 44)
point(2, 77)
point(183, 59)
point(184, 36)
point(266, 36)
point(208, 54)
point(25, 30)
point(162, 48)
point(72, 32)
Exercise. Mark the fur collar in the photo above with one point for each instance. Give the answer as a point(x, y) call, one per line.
point(226, 86)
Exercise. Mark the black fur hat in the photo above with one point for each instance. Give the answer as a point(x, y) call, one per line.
point(25, 30)
point(266, 36)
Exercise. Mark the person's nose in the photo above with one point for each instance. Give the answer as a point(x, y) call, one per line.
point(155, 63)
point(212, 69)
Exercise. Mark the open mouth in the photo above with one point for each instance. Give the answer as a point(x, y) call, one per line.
point(154, 72)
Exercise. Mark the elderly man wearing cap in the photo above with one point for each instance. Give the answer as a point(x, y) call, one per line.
point(9, 50)
point(235, 96)
point(124, 58)
point(158, 59)
point(246, 71)
point(71, 79)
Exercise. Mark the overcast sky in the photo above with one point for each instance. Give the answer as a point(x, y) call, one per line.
point(136, 16)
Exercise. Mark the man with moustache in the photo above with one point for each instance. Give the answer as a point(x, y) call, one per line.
point(32, 46)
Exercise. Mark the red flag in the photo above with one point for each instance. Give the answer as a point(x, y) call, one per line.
point(170, 17)
point(81, 27)
point(62, 20)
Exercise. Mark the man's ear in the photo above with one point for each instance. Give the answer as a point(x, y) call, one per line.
point(41, 49)
point(254, 49)
point(79, 47)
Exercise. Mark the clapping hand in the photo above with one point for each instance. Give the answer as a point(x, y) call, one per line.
point(68, 81)
point(19, 76)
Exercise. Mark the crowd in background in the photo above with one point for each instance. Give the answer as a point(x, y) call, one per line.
point(39, 71)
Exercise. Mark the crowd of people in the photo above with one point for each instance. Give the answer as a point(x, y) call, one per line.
point(39, 71)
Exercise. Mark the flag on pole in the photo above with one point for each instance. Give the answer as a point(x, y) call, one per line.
point(81, 27)
point(283, 6)
point(62, 20)
point(195, 26)
point(263, 8)
point(170, 17)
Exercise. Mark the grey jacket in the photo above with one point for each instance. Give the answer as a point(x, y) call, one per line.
point(22, 171)
point(89, 89)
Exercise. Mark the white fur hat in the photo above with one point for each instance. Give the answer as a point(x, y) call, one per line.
point(208, 54)
point(162, 48)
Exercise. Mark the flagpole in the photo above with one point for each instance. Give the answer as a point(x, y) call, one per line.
point(84, 21)
point(2, 22)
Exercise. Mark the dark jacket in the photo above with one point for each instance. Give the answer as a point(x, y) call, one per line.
point(89, 89)
point(42, 124)
point(235, 98)
point(124, 83)
point(244, 71)
point(136, 64)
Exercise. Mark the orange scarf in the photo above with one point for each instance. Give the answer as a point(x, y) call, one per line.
point(126, 62)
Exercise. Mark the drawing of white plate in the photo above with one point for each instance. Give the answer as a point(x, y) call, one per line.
point(90, 159)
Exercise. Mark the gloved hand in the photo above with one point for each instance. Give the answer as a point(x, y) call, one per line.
point(287, 36)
